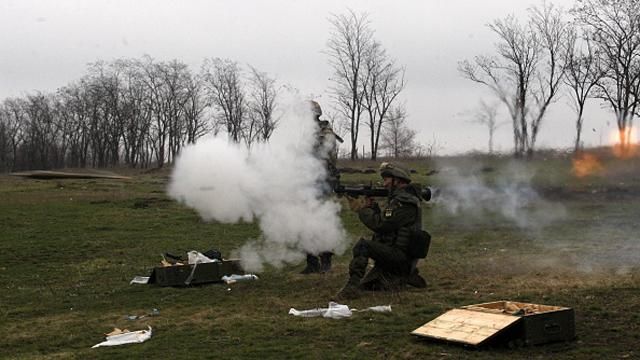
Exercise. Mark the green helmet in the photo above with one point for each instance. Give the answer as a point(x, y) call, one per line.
point(391, 170)
point(315, 108)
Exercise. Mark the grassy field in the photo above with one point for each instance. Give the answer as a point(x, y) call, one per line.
point(69, 248)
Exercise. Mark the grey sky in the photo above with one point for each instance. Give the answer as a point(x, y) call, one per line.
point(47, 44)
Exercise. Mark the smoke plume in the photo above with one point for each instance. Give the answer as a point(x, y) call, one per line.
point(509, 195)
point(274, 183)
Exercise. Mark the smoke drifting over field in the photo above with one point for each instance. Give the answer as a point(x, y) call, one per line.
point(511, 196)
point(589, 226)
point(274, 183)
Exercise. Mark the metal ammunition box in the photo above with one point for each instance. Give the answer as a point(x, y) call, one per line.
point(502, 321)
point(185, 275)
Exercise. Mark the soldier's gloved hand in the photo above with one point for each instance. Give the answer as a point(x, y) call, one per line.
point(355, 204)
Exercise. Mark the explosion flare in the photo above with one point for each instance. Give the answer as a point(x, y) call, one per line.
point(586, 164)
point(625, 142)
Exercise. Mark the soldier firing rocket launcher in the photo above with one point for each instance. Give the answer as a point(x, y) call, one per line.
point(377, 191)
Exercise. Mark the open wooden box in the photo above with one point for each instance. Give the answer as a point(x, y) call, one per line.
point(502, 321)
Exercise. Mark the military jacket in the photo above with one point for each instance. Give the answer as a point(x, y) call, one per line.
point(325, 149)
point(395, 223)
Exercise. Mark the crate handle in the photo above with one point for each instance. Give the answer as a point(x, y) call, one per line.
point(552, 327)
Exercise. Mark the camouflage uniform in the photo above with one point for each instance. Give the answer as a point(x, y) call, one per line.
point(325, 149)
point(393, 226)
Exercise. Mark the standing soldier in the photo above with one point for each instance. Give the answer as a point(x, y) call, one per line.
point(394, 227)
point(325, 149)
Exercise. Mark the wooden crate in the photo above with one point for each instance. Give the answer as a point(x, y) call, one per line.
point(502, 321)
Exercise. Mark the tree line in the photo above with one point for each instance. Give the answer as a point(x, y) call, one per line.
point(135, 112)
point(591, 50)
point(141, 112)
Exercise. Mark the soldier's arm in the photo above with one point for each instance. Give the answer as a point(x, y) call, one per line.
point(390, 219)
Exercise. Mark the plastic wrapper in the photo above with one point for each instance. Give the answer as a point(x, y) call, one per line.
point(230, 279)
point(334, 311)
point(127, 337)
point(196, 257)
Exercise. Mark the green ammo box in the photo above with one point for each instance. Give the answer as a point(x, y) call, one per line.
point(502, 322)
point(178, 275)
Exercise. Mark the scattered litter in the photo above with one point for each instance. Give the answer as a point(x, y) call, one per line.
point(308, 313)
point(121, 337)
point(337, 311)
point(117, 331)
point(196, 257)
point(378, 309)
point(334, 311)
point(143, 280)
point(154, 312)
point(230, 279)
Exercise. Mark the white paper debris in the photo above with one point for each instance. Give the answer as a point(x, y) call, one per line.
point(378, 309)
point(196, 257)
point(334, 311)
point(131, 337)
point(308, 313)
point(230, 279)
point(143, 280)
point(337, 311)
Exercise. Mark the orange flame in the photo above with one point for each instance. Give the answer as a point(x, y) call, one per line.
point(586, 164)
point(628, 150)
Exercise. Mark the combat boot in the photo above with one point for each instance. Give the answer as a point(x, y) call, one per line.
point(348, 292)
point(313, 265)
point(416, 280)
point(325, 261)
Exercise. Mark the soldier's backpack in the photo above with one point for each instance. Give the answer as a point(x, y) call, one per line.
point(419, 244)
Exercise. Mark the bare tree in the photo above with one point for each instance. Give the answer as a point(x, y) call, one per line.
point(223, 80)
point(583, 74)
point(383, 83)
point(348, 46)
point(262, 104)
point(105, 127)
point(135, 112)
point(527, 72)
point(614, 27)
point(13, 121)
point(398, 140)
point(175, 79)
point(195, 107)
point(6, 159)
point(486, 115)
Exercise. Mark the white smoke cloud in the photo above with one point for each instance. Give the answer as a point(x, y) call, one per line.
point(511, 196)
point(276, 184)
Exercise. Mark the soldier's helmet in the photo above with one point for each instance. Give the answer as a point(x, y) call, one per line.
point(315, 108)
point(388, 169)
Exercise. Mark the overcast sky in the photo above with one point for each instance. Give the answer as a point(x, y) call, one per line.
point(47, 44)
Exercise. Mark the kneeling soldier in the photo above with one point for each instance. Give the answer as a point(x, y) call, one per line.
point(393, 227)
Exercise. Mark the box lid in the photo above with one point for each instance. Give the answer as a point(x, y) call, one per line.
point(466, 326)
